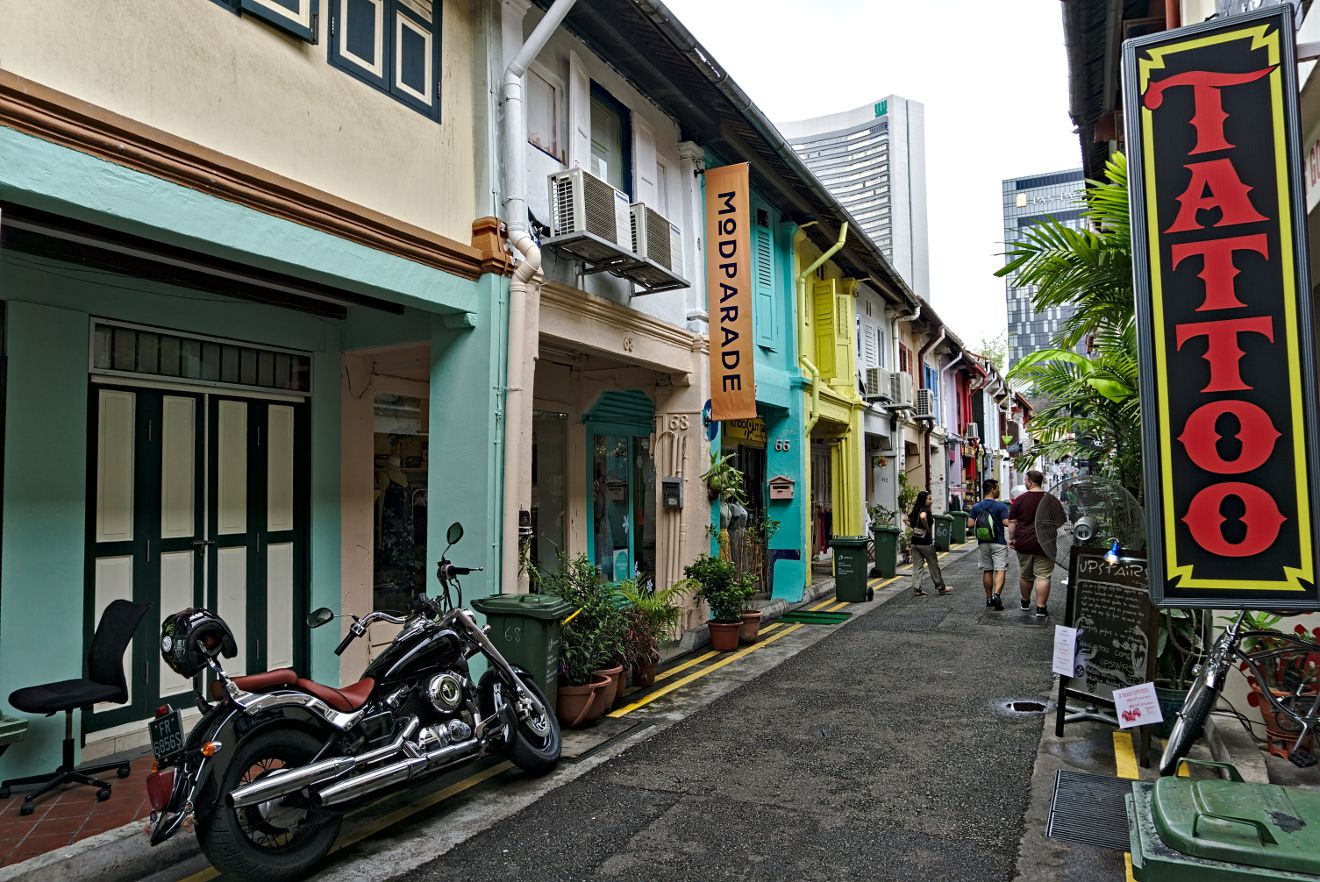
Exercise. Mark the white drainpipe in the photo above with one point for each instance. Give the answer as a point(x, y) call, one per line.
point(524, 295)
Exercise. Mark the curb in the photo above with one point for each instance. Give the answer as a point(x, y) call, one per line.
point(121, 853)
point(1231, 744)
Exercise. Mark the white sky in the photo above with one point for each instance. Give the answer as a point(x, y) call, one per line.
point(992, 77)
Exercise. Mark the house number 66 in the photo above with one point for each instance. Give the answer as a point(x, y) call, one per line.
point(783, 444)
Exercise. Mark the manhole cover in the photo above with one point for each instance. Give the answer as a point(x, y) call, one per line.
point(1025, 707)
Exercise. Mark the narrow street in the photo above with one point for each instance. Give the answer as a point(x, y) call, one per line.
point(881, 752)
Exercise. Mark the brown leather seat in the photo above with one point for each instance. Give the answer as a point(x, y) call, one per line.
point(345, 699)
point(266, 681)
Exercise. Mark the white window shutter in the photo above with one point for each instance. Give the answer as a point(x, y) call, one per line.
point(579, 113)
point(644, 162)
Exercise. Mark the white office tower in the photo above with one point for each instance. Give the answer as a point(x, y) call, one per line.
point(873, 160)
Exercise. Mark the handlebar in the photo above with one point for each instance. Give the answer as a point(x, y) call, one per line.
point(359, 627)
point(343, 644)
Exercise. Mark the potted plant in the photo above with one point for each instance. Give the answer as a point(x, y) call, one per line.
point(651, 616)
point(1288, 674)
point(1184, 639)
point(724, 591)
point(884, 528)
point(751, 622)
point(590, 639)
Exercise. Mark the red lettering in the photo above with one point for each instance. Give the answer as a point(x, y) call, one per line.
point(1261, 518)
point(1255, 432)
point(1208, 114)
point(1218, 271)
point(1215, 184)
point(1221, 349)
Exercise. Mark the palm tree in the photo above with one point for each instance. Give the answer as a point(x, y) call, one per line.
point(1089, 270)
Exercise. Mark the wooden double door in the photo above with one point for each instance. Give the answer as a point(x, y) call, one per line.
point(197, 500)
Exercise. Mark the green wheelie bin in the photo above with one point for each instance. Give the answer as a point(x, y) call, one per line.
point(525, 629)
point(850, 569)
point(886, 551)
point(943, 526)
point(958, 529)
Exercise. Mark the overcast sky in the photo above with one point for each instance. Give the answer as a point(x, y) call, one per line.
point(992, 77)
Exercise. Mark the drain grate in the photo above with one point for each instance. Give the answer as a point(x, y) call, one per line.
point(1089, 809)
point(808, 617)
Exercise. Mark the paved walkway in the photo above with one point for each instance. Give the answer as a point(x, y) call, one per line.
point(881, 752)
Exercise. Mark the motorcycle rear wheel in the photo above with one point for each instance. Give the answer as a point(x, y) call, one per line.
point(533, 745)
point(279, 840)
point(1201, 699)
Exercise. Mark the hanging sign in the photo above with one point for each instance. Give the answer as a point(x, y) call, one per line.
point(1224, 313)
point(729, 292)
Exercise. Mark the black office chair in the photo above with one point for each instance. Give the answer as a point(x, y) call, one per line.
point(105, 682)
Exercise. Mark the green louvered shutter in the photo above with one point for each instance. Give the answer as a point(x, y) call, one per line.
point(763, 272)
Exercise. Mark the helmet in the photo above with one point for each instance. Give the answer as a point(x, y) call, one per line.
point(181, 633)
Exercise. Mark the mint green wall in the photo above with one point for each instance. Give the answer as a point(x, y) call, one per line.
point(41, 573)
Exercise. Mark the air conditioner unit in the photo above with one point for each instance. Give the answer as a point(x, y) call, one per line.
point(878, 384)
point(973, 431)
point(925, 408)
point(590, 220)
point(902, 389)
point(658, 245)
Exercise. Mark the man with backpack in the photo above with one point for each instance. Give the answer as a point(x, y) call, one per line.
point(986, 522)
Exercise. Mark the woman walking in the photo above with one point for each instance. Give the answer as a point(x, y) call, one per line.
point(923, 548)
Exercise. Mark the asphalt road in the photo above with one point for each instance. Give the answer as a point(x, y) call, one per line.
point(882, 752)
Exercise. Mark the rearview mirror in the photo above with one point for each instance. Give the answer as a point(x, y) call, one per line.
point(318, 617)
point(455, 533)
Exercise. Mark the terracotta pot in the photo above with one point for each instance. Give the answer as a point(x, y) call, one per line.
point(576, 705)
point(724, 635)
point(614, 689)
point(751, 626)
point(644, 675)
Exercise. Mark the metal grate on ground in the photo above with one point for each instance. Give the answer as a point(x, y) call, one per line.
point(1089, 809)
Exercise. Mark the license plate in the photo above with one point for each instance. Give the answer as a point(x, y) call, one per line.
point(167, 736)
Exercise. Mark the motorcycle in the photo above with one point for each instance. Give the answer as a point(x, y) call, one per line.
point(268, 772)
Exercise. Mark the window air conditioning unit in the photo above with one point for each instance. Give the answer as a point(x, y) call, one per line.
point(925, 409)
point(902, 389)
point(973, 431)
point(590, 220)
point(878, 384)
point(658, 245)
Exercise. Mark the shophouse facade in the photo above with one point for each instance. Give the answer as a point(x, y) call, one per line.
point(241, 291)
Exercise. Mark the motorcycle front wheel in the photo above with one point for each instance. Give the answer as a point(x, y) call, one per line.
point(534, 743)
point(278, 840)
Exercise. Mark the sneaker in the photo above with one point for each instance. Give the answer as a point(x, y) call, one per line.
point(1041, 612)
point(997, 603)
point(1025, 606)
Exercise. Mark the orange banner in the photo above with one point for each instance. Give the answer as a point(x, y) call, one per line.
point(729, 292)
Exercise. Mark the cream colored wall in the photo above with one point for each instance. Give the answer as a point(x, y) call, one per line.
point(240, 86)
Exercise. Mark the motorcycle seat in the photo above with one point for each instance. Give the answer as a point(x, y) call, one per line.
point(345, 699)
point(266, 681)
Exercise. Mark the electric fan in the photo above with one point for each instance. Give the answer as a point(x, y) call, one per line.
point(1088, 510)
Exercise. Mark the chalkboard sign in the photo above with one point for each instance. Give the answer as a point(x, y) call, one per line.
point(1110, 606)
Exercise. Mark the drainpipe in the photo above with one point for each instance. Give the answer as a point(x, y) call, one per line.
point(524, 293)
point(805, 362)
point(921, 368)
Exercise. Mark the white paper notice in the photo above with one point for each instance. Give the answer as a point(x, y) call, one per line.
point(1137, 706)
point(1065, 651)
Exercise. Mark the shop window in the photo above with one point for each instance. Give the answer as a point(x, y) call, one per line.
point(549, 491)
point(393, 45)
point(399, 565)
point(611, 140)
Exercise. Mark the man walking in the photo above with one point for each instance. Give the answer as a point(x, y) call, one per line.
point(1035, 566)
point(986, 521)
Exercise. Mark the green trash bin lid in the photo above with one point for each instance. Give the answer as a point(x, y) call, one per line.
point(849, 541)
point(532, 606)
point(1259, 825)
point(942, 517)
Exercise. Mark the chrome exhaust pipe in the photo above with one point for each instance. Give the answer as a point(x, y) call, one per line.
point(281, 783)
point(386, 776)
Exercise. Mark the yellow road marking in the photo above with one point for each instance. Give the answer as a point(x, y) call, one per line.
point(838, 606)
point(678, 669)
point(768, 628)
point(1125, 766)
point(821, 605)
point(393, 817)
point(659, 693)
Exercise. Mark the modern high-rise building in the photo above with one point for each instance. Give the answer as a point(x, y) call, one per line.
point(873, 160)
point(1027, 201)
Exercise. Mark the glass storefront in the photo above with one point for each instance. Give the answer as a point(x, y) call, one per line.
point(623, 506)
point(399, 531)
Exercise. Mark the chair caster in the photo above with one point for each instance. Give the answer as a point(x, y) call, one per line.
point(124, 771)
point(26, 809)
point(103, 794)
point(4, 792)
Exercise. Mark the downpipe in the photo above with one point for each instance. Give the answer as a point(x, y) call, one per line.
point(804, 363)
point(395, 773)
point(277, 785)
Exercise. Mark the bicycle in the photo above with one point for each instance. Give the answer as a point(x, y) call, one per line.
point(1295, 704)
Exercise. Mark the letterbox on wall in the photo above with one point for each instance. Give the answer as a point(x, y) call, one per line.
point(781, 487)
point(671, 490)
